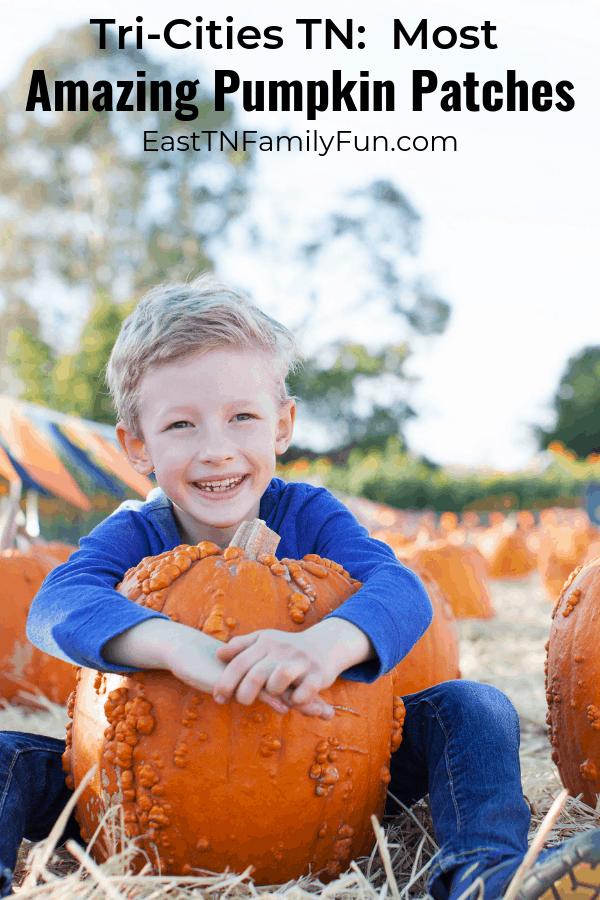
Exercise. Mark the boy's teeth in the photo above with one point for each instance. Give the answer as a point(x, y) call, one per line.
point(219, 485)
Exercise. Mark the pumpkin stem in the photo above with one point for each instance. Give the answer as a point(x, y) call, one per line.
point(254, 538)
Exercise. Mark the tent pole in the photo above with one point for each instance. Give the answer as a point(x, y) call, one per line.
point(8, 516)
point(32, 515)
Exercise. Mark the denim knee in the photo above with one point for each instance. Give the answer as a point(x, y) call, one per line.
point(476, 703)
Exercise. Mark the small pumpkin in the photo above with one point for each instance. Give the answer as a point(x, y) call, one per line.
point(448, 523)
point(23, 666)
point(205, 786)
point(572, 676)
point(525, 520)
point(509, 556)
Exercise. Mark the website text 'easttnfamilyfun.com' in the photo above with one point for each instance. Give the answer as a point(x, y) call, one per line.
point(312, 142)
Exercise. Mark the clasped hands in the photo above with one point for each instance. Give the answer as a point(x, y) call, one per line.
point(282, 669)
point(287, 670)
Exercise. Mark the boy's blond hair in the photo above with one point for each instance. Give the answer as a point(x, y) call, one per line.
point(175, 321)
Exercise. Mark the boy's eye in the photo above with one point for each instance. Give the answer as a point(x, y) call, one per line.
point(182, 423)
point(244, 417)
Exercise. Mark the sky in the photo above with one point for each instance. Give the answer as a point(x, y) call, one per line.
point(510, 221)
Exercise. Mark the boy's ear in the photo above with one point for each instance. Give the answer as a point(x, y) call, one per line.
point(285, 426)
point(134, 450)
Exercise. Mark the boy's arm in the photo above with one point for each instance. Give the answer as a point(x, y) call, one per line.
point(78, 615)
point(77, 610)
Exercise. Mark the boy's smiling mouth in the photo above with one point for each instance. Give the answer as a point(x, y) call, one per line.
point(219, 485)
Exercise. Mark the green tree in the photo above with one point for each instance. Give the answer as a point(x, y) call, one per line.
point(336, 392)
point(374, 233)
point(72, 383)
point(576, 405)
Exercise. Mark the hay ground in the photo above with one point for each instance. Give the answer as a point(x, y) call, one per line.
point(507, 652)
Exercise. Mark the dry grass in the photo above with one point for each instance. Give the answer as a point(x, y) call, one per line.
point(48, 718)
point(407, 844)
point(507, 651)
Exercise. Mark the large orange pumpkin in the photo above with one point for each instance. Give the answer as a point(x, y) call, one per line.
point(205, 786)
point(572, 676)
point(23, 666)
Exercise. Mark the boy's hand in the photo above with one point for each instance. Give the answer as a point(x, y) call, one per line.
point(272, 661)
point(300, 665)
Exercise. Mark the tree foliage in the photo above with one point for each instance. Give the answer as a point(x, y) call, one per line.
point(389, 475)
point(84, 211)
point(576, 405)
point(362, 250)
point(344, 388)
point(375, 231)
point(71, 383)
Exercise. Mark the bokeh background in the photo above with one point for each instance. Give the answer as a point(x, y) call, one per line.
point(447, 302)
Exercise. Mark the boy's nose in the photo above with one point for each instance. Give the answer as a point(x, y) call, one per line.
point(215, 447)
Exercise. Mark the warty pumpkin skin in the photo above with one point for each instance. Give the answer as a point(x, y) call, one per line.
point(23, 666)
point(572, 678)
point(205, 786)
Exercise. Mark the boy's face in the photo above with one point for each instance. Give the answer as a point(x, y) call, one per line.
point(211, 428)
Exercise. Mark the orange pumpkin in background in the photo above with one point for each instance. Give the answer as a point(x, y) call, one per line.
point(470, 520)
point(448, 523)
point(205, 786)
point(510, 557)
point(496, 518)
point(459, 570)
point(434, 658)
point(525, 519)
point(567, 540)
point(393, 538)
point(22, 666)
point(572, 676)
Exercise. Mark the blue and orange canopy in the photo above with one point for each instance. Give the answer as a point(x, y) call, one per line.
point(61, 455)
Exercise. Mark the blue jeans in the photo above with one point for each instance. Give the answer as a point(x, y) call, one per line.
point(32, 795)
point(460, 745)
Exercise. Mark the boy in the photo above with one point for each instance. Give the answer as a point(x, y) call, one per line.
point(198, 378)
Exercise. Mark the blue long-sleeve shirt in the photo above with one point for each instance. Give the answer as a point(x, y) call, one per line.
point(78, 610)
